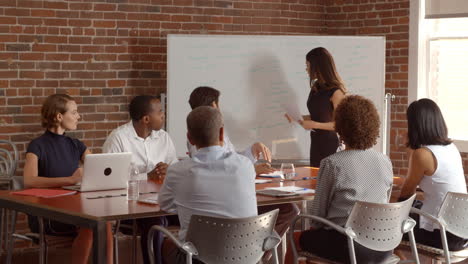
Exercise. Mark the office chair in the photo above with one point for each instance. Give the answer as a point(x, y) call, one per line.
point(216, 240)
point(452, 217)
point(43, 240)
point(376, 226)
point(8, 164)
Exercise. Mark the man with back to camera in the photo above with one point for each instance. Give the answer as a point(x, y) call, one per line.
point(213, 182)
point(207, 96)
point(152, 151)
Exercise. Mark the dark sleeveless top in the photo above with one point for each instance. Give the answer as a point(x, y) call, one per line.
point(323, 143)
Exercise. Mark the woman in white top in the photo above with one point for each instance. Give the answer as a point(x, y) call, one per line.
point(435, 165)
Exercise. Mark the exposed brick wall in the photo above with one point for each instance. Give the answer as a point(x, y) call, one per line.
point(104, 52)
point(389, 19)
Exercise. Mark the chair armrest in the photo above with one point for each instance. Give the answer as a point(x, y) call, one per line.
point(188, 247)
point(408, 225)
point(271, 241)
point(428, 216)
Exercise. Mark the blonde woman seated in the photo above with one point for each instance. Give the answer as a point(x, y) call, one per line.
point(53, 160)
point(357, 173)
point(436, 166)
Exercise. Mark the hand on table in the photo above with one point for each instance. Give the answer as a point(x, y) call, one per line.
point(76, 177)
point(159, 172)
point(263, 168)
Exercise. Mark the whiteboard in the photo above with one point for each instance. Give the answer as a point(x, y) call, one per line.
point(258, 76)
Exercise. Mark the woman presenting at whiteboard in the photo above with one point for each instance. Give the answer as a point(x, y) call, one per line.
point(326, 92)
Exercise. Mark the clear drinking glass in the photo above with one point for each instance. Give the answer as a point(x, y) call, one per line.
point(288, 170)
point(132, 183)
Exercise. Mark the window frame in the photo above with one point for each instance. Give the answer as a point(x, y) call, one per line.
point(418, 63)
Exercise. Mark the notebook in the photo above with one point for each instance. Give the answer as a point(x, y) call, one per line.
point(44, 193)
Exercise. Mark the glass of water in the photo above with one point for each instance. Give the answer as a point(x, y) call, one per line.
point(132, 183)
point(288, 170)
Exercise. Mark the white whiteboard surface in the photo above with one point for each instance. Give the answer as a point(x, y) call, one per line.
point(257, 76)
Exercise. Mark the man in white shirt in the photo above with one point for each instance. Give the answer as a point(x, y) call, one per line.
point(151, 146)
point(213, 182)
point(152, 151)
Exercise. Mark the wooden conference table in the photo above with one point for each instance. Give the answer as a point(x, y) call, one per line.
point(94, 213)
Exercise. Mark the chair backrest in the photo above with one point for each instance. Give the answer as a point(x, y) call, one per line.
point(379, 226)
point(454, 213)
point(11, 160)
point(228, 240)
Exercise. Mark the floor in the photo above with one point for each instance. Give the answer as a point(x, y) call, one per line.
point(62, 255)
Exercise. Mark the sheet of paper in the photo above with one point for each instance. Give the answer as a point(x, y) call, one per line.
point(275, 174)
point(293, 111)
point(262, 181)
point(293, 189)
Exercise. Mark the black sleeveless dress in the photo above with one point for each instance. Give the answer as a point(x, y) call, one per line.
point(323, 143)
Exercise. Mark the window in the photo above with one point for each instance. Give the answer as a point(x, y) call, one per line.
point(441, 69)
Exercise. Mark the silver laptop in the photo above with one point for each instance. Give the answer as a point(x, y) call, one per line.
point(104, 172)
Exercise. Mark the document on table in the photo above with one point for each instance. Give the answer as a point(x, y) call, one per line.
point(292, 189)
point(275, 174)
point(262, 181)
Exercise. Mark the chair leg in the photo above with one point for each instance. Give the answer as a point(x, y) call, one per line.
point(188, 258)
point(275, 256)
point(42, 246)
point(414, 249)
point(352, 254)
point(10, 242)
point(135, 241)
point(116, 242)
point(2, 231)
point(445, 244)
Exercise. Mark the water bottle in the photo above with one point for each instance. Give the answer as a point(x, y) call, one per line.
point(132, 183)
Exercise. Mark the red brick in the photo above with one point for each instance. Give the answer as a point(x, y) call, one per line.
point(46, 83)
point(57, 56)
point(31, 56)
point(55, 22)
point(81, 6)
point(42, 13)
point(71, 83)
point(55, 5)
point(79, 22)
point(115, 83)
point(105, 7)
point(104, 24)
point(32, 74)
point(9, 74)
point(19, 101)
point(166, 25)
point(44, 47)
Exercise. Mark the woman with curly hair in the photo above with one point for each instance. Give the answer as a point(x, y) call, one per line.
point(358, 173)
point(326, 92)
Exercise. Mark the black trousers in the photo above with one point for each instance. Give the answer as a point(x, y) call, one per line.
point(433, 239)
point(332, 245)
